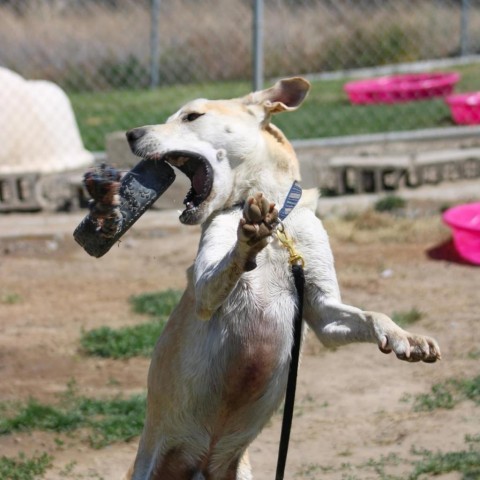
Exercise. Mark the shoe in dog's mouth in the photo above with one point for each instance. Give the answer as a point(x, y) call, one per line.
point(200, 172)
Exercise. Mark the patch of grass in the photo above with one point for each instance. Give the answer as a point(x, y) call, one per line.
point(311, 470)
point(441, 395)
point(326, 113)
point(448, 394)
point(38, 416)
point(372, 220)
point(112, 420)
point(390, 203)
point(425, 464)
point(470, 388)
point(106, 420)
point(125, 342)
point(23, 468)
point(138, 340)
point(99, 113)
point(158, 304)
point(10, 298)
point(380, 466)
point(466, 462)
point(474, 354)
point(68, 469)
point(408, 317)
point(472, 438)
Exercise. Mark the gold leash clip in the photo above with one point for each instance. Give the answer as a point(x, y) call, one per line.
point(287, 242)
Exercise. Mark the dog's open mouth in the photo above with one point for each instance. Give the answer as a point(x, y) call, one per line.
point(198, 169)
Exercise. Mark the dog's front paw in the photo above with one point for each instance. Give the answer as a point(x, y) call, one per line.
point(406, 346)
point(259, 220)
point(260, 217)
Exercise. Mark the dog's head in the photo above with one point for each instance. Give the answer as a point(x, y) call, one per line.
point(205, 136)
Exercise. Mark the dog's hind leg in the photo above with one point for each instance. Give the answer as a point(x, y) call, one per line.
point(244, 470)
point(337, 324)
point(198, 476)
point(239, 469)
point(128, 475)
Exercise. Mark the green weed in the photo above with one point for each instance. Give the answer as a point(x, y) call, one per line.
point(311, 470)
point(390, 203)
point(68, 469)
point(158, 304)
point(23, 468)
point(472, 438)
point(448, 394)
point(424, 464)
point(137, 340)
point(125, 342)
point(470, 388)
point(106, 420)
point(38, 416)
point(440, 396)
point(10, 298)
point(408, 317)
point(474, 354)
point(466, 462)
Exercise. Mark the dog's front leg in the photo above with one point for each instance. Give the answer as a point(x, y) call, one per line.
point(228, 248)
point(338, 324)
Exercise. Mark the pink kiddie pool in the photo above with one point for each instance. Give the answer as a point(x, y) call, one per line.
point(464, 220)
point(401, 88)
point(465, 108)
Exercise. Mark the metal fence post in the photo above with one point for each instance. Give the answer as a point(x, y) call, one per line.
point(257, 45)
point(154, 44)
point(464, 42)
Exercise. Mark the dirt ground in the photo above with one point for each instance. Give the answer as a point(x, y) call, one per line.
point(349, 401)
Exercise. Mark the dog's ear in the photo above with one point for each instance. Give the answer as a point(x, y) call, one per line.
point(285, 96)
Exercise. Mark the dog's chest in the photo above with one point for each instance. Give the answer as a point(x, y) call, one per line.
point(265, 296)
point(257, 319)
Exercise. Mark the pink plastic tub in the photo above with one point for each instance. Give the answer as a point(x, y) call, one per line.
point(464, 220)
point(401, 88)
point(465, 108)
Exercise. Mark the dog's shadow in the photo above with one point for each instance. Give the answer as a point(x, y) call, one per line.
point(446, 251)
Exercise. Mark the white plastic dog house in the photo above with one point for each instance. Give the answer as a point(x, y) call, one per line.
point(38, 131)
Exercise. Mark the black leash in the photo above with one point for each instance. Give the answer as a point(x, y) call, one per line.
point(297, 264)
point(299, 279)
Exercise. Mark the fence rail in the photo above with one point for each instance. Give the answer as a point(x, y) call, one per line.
point(125, 63)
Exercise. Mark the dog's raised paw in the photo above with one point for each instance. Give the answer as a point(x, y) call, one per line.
point(410, 347)
point(259, 220)
point(406, 346)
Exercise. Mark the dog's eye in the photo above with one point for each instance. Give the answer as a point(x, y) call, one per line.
point(192, 116)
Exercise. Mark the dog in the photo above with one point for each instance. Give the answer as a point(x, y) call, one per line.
point(219, 369)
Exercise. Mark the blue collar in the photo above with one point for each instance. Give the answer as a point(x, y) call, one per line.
point(291, 201)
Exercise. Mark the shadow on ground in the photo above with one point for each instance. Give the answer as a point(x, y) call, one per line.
point(446, 251)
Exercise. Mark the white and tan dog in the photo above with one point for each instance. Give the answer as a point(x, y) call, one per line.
point(220, 367)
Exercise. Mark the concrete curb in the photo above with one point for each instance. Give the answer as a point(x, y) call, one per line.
point(63, 224)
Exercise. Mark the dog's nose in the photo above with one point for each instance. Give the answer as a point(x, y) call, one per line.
point(135, 134)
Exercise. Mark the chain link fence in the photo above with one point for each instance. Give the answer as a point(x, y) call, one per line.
point(124, 63)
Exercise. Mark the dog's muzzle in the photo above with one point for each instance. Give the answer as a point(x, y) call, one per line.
point(117, 204)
